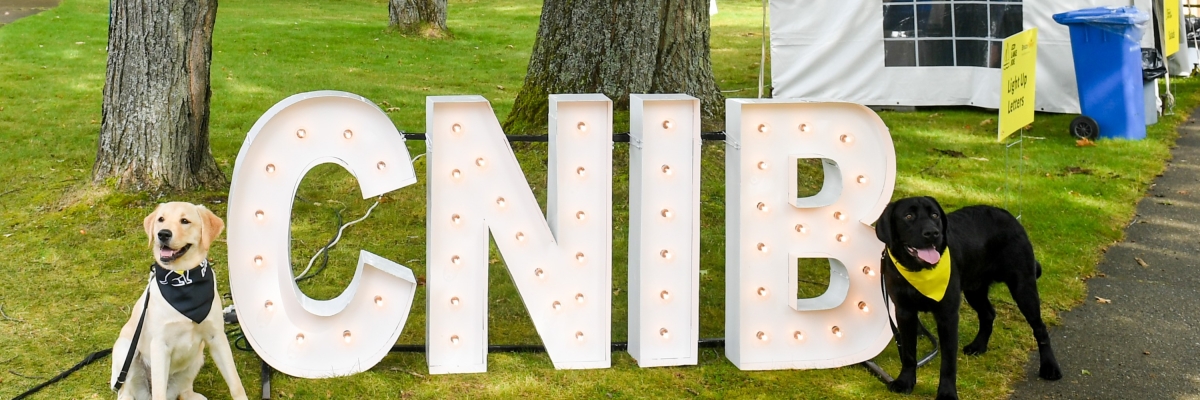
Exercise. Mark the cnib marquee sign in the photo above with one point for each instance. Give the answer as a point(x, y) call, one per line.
point(561, 262)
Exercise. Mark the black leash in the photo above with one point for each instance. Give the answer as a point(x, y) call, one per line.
point(879, 373)
point(91, 358)
point(137, 334)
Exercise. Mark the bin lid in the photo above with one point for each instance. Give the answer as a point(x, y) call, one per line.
point(1127, 15)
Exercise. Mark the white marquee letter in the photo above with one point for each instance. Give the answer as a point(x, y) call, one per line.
point(768, 229)
point(561, 263)
point(292, 332)
point(664, 229)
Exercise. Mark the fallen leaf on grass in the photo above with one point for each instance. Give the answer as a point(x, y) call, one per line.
point(1102, 300)
point(987, 122)
point(1141, 262)
point(1085, 142)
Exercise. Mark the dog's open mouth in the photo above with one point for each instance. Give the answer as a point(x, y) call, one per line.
point(167, 254)
point(929, 255)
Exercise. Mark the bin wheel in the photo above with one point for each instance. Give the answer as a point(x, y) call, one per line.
point(1084, 127)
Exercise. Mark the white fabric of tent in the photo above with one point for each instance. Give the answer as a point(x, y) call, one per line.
point(833, 50)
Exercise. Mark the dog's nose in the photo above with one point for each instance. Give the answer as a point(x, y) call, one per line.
point(164, 235)
point(931, 234)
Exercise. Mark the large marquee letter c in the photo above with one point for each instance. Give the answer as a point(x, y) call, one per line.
point(292, 332)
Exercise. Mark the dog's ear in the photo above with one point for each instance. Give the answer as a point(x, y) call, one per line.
point(148, 224)
point(883, 227)
point(941, 215)
point(211, 226)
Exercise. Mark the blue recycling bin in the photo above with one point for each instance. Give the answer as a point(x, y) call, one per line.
point(1108, 68)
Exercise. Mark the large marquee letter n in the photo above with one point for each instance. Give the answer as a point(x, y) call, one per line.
point(561, 262)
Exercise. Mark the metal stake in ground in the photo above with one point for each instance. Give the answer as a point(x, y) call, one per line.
point(1008, 193)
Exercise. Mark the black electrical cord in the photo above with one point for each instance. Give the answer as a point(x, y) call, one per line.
point(622, 137)
point(707, 343)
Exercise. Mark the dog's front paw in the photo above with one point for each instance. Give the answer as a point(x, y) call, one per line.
point(975, 349)
point(901, 385)
point(1050, 372)
point(190, 395)
point(947, 396)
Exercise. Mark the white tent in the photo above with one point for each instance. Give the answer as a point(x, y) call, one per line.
point(919, 53)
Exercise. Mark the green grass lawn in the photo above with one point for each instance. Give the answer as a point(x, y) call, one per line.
point(75, 256)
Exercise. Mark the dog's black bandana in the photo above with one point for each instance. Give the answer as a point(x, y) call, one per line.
point(190, 292)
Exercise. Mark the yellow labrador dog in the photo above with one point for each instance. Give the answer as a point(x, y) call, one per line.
point(177, 315)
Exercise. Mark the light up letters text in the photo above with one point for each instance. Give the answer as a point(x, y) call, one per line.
point(561, 262)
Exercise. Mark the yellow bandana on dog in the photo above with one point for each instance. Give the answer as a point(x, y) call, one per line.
point(930, 282)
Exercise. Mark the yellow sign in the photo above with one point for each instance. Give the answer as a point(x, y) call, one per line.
point(1171, 25)
point(1018, 71)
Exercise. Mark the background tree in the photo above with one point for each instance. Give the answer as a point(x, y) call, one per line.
point(154, 133)
point(424, 17)
point(618, 48)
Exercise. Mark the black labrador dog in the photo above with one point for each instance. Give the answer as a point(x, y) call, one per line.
point(986, 245)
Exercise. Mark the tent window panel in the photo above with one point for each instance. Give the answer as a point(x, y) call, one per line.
point(900, 53)
point(948, 32)
point(935, 21)
point(972, 53)
point(1006, 20)
point(971, 20)
point(898, 21)
point(935, 53)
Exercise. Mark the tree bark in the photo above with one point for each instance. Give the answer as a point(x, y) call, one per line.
point(154, 134)
point(424, 17)
point(618, 48)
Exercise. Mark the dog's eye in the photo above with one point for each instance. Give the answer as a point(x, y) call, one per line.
point(934, 216)
point(161, 219)
point(185, 221)
point(908, 217)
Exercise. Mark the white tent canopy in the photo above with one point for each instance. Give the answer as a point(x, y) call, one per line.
point(919, 53)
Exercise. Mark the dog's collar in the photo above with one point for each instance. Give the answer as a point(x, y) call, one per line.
point(190, 292)
point(931, 282)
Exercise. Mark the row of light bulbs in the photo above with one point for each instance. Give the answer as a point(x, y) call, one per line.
point(346, 335)
point(835, 330)
point(763, 166)
point(665, 254)
point(844, 138)
point(348, 134)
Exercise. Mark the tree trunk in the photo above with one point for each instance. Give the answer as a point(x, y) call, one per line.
point(618, 48)
point(154, 134)
point(424, 17)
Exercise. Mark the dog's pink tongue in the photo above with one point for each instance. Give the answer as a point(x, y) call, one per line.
point(929, 255)
point(166, 252)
